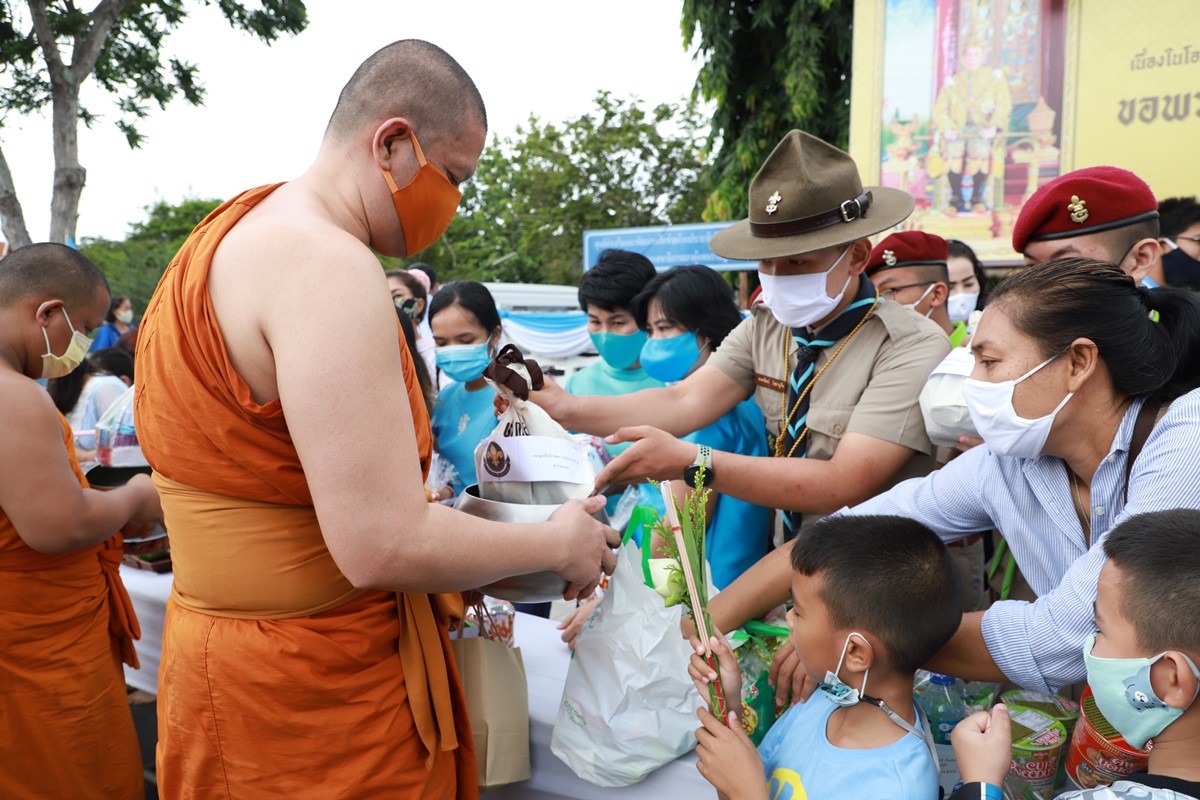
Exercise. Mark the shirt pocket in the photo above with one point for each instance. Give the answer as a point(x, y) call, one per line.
point(827, 424)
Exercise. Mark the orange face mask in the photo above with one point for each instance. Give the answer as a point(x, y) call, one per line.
point(425, 205)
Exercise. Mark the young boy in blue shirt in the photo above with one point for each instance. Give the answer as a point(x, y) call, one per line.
point(1141, 665)
point(874, 598)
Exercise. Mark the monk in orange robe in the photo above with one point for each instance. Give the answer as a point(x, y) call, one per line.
point(305, 651)
point(66, 623)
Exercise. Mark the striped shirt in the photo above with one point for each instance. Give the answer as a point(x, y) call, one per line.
point(1030, 500)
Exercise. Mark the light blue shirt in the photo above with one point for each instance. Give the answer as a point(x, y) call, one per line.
point(1039, 645)
point(461, 420)
point(800, 761)
point(598, 378)
point(738, 534)
point(601, 379)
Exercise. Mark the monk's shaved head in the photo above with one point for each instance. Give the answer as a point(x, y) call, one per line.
point(413, 79)
point(55, 270)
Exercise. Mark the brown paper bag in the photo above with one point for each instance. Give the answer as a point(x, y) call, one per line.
point(493, 678)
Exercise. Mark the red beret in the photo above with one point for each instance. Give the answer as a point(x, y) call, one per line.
point(908, 249)
point(1082, 202)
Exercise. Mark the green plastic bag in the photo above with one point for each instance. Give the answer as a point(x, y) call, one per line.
point(759, 641)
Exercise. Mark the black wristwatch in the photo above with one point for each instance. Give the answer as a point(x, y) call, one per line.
point(703, 459)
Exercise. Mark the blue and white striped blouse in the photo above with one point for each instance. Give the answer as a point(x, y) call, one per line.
point(1039, 645)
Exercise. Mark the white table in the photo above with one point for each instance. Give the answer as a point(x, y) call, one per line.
point(546, 659)
point(148, 591)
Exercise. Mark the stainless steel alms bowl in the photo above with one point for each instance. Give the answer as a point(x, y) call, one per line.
point(534, 587)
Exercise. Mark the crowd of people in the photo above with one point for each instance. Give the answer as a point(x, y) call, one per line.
point(307, 476)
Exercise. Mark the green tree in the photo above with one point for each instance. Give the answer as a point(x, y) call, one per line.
point(769, 66)
point(120, 43)
point(133, 266)
point(523, 215)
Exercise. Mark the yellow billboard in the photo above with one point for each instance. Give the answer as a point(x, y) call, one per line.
point(970, 105)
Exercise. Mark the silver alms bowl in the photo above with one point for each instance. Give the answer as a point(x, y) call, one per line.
point(534, 587)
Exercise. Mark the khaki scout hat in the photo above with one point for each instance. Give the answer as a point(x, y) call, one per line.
point(806, 197)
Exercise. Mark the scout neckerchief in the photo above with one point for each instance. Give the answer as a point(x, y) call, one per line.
point(792, 440)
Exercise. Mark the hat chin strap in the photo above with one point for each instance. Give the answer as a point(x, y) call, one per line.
point(848, 211)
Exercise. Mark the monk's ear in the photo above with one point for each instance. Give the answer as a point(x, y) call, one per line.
point(387, 136)
point(47, 310)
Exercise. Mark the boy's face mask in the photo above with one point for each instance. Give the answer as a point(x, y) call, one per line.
point(842, 694)
point(837, 690)
point(1125, 696)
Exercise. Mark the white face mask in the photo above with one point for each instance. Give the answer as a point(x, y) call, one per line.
point(1006, 433)
point(960, 306)
point(800, 300)
point(124, 317)
point(924, 294)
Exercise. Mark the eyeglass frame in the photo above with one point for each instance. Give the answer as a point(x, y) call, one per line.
point(890, 292)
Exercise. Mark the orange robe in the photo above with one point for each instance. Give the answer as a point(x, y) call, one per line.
point(279, 678)
point(65, 626)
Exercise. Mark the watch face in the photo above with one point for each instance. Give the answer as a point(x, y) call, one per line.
point(689, 475)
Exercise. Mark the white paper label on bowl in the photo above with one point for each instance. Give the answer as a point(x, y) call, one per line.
point(534, 459)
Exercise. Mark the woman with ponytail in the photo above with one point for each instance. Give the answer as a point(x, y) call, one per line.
point(1085, 394)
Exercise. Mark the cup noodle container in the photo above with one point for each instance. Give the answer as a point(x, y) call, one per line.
point(1038, 741)
point(1063, 709)
point(1098, 755)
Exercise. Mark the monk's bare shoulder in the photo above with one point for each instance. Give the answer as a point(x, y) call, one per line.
point(284, 265)
point(29, 413)
point(291, 236)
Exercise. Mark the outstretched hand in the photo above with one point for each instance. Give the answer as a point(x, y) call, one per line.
point(654, 454)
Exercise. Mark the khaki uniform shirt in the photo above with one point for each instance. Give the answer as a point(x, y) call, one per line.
point(872, 388)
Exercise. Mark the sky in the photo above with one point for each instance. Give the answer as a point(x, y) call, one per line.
point(266, 105)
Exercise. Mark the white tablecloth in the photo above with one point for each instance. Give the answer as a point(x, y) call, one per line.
point(148, 591)
point(546, 659)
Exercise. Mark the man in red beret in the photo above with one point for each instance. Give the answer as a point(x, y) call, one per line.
point(1098, 212)
point(909, 268)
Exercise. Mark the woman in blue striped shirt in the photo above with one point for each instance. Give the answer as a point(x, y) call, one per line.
point(1075, 368)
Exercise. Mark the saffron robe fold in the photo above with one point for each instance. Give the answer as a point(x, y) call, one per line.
point(66, 624)
point(279, 678)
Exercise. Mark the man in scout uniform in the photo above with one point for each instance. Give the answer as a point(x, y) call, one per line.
point(971, 115)
point(910, 268)
point(835, 369)
point(1098, 212)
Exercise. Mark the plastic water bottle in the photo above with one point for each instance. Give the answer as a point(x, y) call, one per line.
point(945, 706)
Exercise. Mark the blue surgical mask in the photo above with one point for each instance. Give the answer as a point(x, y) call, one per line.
point(1126, 698)
point(463, 362)
point(619, 350)
point(670, 359)
point(838, 690)
point(842, 694)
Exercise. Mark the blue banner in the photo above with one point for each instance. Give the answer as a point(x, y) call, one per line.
point(665, 245)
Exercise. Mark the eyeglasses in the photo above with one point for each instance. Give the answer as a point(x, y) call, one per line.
point(890, 293)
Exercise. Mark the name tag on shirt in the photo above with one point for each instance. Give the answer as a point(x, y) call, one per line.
point(768, 382)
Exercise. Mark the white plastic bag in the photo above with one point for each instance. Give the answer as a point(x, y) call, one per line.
point(628, 705)
point(942, 403)
point(529, 459)
point(116, 440)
